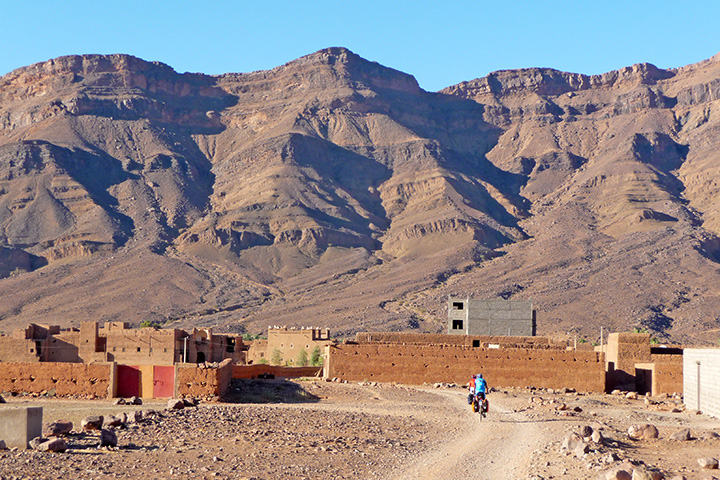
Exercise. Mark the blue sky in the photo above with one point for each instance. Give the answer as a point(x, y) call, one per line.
point(440, 43)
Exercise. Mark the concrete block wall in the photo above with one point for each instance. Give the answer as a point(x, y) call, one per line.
point(701, 380)
point(64, 379)
point(19, 425)
point(505, 367)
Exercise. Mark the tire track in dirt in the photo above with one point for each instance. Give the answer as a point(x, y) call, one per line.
point(498, 447)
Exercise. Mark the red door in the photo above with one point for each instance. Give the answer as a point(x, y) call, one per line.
point(128, 381)
point(163, 382)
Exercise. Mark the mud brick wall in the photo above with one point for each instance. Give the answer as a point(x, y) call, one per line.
point(668, 374)
point(62, 379)
point(201, 381)
point(505, 367)
point(253, 371)
point(446, 339)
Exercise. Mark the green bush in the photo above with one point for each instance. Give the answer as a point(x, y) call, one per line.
point(316, 359)
point(302, 360)
point(276, 358)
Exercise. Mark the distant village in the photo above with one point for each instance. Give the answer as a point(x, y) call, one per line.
point(497, 337)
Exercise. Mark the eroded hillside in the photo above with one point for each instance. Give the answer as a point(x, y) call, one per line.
point(334, 191)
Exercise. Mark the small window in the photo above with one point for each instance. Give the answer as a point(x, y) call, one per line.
point(307, 346)
point(114, 348)
point(262, 354)
point(292, 345)
point(458, 305)
point(150, 349)
point(476, 343)
point(32, 350)
point(165, 350)
point(123, 349)
point(457, 325)
point(138, 349)
point(282, 345)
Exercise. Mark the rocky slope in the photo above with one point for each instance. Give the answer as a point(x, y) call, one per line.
point(334, 191)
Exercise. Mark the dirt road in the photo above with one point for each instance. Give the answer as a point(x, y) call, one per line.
point(322, 431)
point(497, 447)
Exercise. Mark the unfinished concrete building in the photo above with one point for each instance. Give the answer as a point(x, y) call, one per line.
point(491, 317)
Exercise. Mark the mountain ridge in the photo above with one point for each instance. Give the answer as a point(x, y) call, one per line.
point(335, 190)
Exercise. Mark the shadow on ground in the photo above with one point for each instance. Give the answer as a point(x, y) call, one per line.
point(267, 391)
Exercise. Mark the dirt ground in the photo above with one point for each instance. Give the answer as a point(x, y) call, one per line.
point(318, 430)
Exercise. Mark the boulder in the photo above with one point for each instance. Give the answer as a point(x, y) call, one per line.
point(114, 421)
point(56, 444)
point(643, 431)
point(119, 401)
point(617, 473)
point(94, 422)
point(709, 463)
point(571, 441)
point(581, 449)
point(3, 445)
point(175, 404)
point(190, 402)
point(2, 399)
point(35, 442)
point(134, 416)
point(585, 430)
point(631, 395)
point(682, 436)
point(56, 429)
point(597, 437)
point(639, 473)
point(134, 401)
point(709, 435)
point(108, 438)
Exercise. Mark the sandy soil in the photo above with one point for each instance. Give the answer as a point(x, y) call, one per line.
point(318, 430)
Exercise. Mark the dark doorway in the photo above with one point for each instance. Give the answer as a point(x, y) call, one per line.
point(201, 357)
point(643, 381)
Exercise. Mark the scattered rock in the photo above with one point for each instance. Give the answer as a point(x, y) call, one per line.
point(571, 441)
point(190, 402)
point(561, 408)
point(642, 431)
point(631, 395)
point(119, 401)
point(55, 429)
point(2, 399)
point(709, 463)
point(57, 445)
point(3, 446)
point(597, 437)
point(683, 435)
point(585, 431)
point(619, 472)
point(581, 449)
point(114, 421)
point(639, 473)
point(176, 404)
point(92, 423)
point(709, 435)
point(134, 416)
point(134, 401)
point(108, 438)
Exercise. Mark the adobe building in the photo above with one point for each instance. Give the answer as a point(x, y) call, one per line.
point(633, 364)
point(491, 317)
point(289, 342)
point(117, 342)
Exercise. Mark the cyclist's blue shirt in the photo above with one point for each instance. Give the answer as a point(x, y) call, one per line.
point(480, 385)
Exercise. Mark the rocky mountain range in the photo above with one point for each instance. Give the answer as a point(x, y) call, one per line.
point(333, 191)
